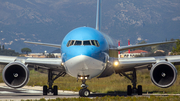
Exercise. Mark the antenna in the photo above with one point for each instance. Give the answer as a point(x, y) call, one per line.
point(98, 15)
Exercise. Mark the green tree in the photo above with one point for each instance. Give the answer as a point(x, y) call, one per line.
point(50, 55)
point(26, 50)
point(144, 48)
point(176, 49)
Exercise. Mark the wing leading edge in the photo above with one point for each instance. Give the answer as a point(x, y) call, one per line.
point(128, 64)
point(44, 63)
point(139, 45)
point(44, 44)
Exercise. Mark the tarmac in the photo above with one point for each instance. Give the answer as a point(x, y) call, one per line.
point(35, 93)
point(29, 92)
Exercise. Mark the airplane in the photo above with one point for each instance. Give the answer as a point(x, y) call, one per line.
point(85, 55)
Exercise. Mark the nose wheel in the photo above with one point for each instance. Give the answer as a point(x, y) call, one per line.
point(84, 92)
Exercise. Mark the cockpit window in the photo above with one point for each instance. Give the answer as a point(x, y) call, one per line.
point(85, 42)
point(70, 43)
point(93, 42)
point(78, 43)
point(97, 43)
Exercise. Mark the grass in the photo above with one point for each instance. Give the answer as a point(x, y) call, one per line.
point(114, 83)
point(116, 98)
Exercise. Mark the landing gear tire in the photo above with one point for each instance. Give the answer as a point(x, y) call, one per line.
point(84, 93)
point(44, 90)
point(80, 92)
point(55, 90)
point(129, 90)
point(139, 90)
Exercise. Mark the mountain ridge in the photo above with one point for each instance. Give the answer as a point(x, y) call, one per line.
point(49, 21)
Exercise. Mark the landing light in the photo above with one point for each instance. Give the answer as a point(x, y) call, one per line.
point(81, 77)
point(62, 64)
point(116, 63)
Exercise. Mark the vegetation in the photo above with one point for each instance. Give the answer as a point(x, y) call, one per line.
point(113, 53)
point(151, 49)
point(7, 52)
point(166, 47)
point(112, 84)
point(176, 49)
point(26, 50)
point(117, 98)
point(50, 55)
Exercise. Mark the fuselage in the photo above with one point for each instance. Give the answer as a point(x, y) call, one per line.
point(85, 52)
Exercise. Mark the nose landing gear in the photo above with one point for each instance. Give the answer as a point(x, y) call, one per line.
point(84, 92)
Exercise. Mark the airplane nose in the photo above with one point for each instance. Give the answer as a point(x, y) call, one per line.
point(77, 51)
point(84, 65)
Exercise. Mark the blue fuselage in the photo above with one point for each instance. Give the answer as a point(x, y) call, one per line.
point(84, 58)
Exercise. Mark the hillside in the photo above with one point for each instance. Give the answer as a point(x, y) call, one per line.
point(49, 21)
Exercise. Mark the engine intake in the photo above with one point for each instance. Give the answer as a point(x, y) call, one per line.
point(15, 74)
point(163, 74)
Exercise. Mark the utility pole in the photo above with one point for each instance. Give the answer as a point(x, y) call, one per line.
point(3, 47)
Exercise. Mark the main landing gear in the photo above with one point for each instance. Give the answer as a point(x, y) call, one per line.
point(51, 80)
point(133, 79)
point(84, 92)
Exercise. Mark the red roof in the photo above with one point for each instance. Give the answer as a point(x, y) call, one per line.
point(137, 51)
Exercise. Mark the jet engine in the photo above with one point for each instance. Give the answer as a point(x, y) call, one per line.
point(163, 74)
point(15, 74)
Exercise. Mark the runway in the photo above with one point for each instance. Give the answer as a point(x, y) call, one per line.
point(35, 93)
point(27, 92)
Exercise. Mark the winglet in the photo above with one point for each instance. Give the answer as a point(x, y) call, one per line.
point(98, 15)
point(44, 44)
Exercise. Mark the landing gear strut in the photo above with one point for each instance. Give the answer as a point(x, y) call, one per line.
point(84, 92)
point(51, 80)
point(133, 79)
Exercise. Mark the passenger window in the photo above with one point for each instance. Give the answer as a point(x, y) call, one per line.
point(86, 43)
point(78, 43)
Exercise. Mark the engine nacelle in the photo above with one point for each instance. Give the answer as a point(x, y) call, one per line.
point(15, 74)
point(163, 74)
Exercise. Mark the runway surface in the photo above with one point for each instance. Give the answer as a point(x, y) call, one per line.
point(28, 92)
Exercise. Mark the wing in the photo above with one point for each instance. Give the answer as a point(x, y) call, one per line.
point(128, 64)
point(163, 73)
point(44, 63)
point(140, 45)
point(44, 44)
point(16, 74)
